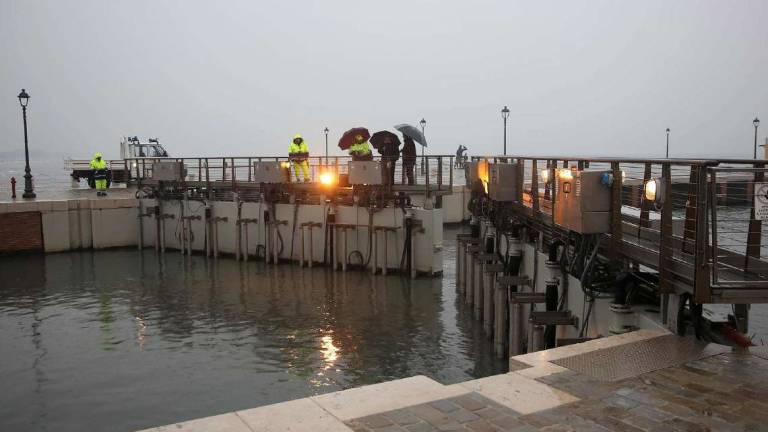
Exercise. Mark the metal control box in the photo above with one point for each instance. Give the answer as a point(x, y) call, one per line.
point(365, 173)
point(583, 202)
point(169, 171)
point(270, 172)
point(503, 182)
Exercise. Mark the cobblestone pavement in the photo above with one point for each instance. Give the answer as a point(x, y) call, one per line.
point(726, 392)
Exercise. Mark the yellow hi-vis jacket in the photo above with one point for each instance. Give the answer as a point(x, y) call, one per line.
point(302, 147)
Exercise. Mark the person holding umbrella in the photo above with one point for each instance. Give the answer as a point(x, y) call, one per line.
point(411, 134)
point(298, 152)
point(388, 145)
point(360, 150)
point(409, 157)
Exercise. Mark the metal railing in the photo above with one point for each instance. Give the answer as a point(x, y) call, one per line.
point(704, 237)
point(438, 175)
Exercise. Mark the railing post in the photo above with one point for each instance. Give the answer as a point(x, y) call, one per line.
point(755, 225)
point(616, 233)
point(689, 229)
point(232, 161)
point(713, 224)
point(535, 188)
point(701, 288)
point(451, 173)
point(645, 205)
point(665, 246)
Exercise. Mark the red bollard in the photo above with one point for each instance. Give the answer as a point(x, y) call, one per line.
point(13, 187)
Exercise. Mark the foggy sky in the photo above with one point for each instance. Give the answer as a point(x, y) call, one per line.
point(240, 78)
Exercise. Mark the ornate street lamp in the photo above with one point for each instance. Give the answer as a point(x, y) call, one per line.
point(505, 116)
point(423, 124)
point(756, 122)
point(29, 191)
point(326, 144)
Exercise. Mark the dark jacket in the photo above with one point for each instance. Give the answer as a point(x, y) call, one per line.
point(409, 150)
point(390, 151)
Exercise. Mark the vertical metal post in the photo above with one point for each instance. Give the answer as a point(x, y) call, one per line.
point(535, 188)
point(701, 290)
point(616, 233)
point(665, 247)
point(645, 205)
point(754, 232)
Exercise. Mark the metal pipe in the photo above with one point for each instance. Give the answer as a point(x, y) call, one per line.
point(501, 320)
point(375, 264)
point(301, 251)
point(516, 329)
point(311, 247)
point(344, 261)
point(537, 338)
point(384, 264)
point(459, 264)
point(478, 288)
point(141, 226)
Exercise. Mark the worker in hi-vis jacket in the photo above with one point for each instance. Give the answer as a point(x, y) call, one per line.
point(99, 173)
point(298, 152)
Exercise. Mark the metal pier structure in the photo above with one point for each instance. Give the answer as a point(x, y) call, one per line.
point(560, 244)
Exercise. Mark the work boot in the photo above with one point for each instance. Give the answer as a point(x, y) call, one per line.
point(306, 180)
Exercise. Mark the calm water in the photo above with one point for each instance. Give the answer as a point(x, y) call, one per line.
point(122, 340)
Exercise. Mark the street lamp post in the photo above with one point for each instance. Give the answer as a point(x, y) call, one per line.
point(667, 143)
point(326, 144)
point(29, 191)
point(423, 124)
point(505, 116)
point(756, 122)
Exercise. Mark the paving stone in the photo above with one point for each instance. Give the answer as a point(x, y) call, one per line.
point(401, 417)
point(451, 426)
point(375, 421)
point(468, 402)
point(651, 413)
point(489, 413)
point(641, 422)
point(620, 401)
point(506, 422)
point(481, 425)
point(430, 414)
point(444, 405)
point(420, 427)
point(686, 425)
point(390, 428)
point(463, 416)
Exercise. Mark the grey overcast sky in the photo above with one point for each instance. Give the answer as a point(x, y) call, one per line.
point(241, 77)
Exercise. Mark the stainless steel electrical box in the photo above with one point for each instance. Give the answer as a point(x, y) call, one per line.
point(503, 182)
point(270, 172)
point(583, 202)
point(365, 173)
point(169, 171)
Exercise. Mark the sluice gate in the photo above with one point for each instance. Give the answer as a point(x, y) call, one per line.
point(563, 250)
point(376, 214)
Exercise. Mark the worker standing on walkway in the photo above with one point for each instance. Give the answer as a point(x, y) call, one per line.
point(99, 173)
point(409, 158)
point(298, 152)
point(360, 150)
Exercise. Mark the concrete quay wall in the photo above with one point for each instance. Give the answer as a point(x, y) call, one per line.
point(100, 223)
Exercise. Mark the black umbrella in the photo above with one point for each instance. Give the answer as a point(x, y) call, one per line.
point(413, 132)
point(378, 140)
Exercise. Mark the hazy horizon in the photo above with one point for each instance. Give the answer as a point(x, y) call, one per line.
point(599, 78)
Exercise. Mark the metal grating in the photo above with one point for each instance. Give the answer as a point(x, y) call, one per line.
point(635, 358)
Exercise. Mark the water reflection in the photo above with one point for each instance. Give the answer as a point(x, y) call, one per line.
point(83, 334)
